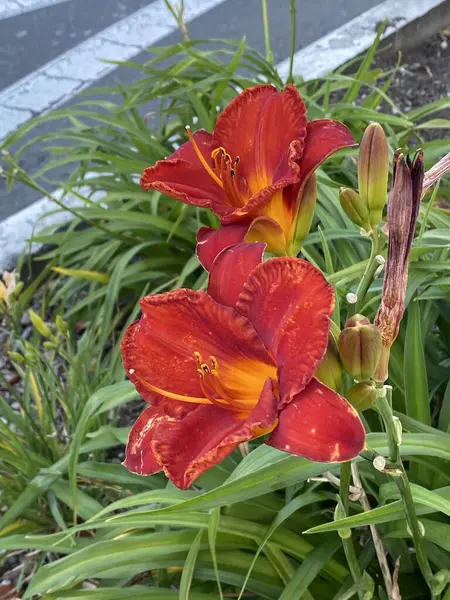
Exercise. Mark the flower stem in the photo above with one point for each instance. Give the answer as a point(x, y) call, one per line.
point(384, 406)
point(269, 54)
point(392, 593)
point(349, 548)
point(369, 273)
point(290, 77)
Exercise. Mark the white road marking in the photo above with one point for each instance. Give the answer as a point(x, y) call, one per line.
point(12, 8)
point(349, 40)
point(77, 68)
point(143, 28)
point(19, 227)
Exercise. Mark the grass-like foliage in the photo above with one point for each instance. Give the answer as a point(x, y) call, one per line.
point(262, 524)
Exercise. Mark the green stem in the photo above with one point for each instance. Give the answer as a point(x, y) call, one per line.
point(385, 410)
point(290, 77)
point(269, 54)
point(345, 476)
point(349, 548)
point(369, 273)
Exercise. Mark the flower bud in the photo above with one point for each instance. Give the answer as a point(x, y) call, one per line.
point(362, 395)
point(7, 286)
point(305, 212)
point(360, 347)
point(355, 208)
point(61, 325)
point(39, 324)
point(373, 171)
point(16, 357)
point(339, 513)
point(329, 371)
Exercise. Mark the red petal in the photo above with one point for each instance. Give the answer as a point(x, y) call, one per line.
point(158, 350)
point(212, 241)
point(259, 126)
point(188, 447)
point(182, 176)
point(289, 302)
point(323, 138)
point(231, 269)
point(319, 425)
point(139, 452)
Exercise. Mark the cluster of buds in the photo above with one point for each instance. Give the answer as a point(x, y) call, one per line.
point(365, 208)
point(360, 350)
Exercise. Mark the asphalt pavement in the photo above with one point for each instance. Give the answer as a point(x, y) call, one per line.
point(52, 51)
point(29, 41)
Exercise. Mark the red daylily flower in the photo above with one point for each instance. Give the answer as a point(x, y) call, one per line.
point(230, 365)
point(253, 169)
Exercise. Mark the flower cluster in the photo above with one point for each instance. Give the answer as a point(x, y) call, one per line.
point(239, 361)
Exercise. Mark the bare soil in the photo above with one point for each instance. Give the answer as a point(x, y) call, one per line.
point(424, 76)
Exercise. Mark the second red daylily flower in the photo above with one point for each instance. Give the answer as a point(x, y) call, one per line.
point(252, 171)
point(224, 367)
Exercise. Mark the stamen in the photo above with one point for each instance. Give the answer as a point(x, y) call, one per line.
point(202, 158)
point(214, 364)
point(167, 394)
point(213, 388)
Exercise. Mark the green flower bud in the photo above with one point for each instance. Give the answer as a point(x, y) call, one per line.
point(16, 357)
point(50, 345)
point(362, 395)
point(373, 171)
point(61, 325)
point(305, 213)
point(339, 513)
point(329, 371)
point(355, 208)
point(360, 347)
point(39, 324)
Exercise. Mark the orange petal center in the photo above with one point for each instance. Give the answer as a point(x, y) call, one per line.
point(236, 388)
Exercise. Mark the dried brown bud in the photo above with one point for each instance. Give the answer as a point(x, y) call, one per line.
point(403, 208)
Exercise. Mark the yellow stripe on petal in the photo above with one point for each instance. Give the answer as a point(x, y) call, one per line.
point(173, 396)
